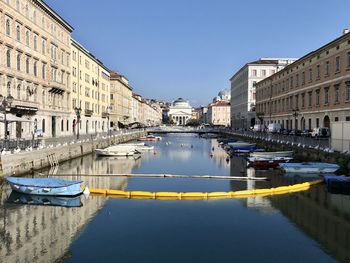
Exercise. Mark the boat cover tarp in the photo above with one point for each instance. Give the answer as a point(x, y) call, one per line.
point(336, 178)
point(41, 182)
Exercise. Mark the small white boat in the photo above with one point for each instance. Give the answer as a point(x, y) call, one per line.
point(118, 150)
point(239, 144)
point(272, 154)
point(310, 167)
point(141, 146)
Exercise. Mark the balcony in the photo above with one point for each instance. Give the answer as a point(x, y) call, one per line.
point(105, 115)
point(88, 113)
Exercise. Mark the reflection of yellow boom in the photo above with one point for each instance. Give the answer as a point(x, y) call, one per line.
point(206, 196)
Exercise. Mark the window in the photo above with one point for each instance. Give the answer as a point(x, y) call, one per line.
point(297, 80)
point(8, 27)
point(43, 46)
point(318, 70)
point(303, 78)
point(303, 100)
point(35, 42)
point(310, 74)
point(19, 62)
point(35, 69)
point(27, 10)
point(18, 33)
point(43, 125)
point(310, 98)
point(17, 5)
point(348, 59)
point(326, 95)
point(263, 72)
point(318, 97)
point(272, 71)
point(34, 17)
point(336, 94)
point(336, 119)
point(27, 38)
point(326, 68)
point(254, 73)
point(317, 122)
point(27, 65)
point(337, 64)
point(347, 118)
point(43, 71)
point(8, 58)
point(347, 84)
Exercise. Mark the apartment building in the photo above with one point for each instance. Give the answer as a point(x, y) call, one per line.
point(219, 113)
point(312, 92)
point(243, 93)
point(121, 100)
point(34, 69)
point(90, 95)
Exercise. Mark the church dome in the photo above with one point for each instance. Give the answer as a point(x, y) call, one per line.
point(180, 102)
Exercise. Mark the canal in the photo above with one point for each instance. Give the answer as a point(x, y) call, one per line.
point(310, 226)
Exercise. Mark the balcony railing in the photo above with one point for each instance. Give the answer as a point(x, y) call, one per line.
point(88, 113)
point(105, 114)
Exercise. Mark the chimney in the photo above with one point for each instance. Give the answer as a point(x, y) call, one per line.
point(345, 31)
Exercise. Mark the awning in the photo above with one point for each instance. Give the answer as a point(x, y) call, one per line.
point(12, 118)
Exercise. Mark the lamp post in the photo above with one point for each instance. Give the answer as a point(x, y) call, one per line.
point(5, 102)
point(78, 114)
point(295, 115)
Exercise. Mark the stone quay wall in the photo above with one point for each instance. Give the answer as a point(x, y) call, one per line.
point(21, 163)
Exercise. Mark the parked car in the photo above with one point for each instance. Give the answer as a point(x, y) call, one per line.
point(306, 133)
point(295, 132)
point(274, 127)
point(286, 132)
point(320, 132)
point(259, 128)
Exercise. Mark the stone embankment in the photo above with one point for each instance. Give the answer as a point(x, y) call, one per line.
point(300, 154)
point(21, 163)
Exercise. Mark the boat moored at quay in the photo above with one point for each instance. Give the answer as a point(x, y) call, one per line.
point(310, 167)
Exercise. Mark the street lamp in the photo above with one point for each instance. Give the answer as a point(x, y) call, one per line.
point(78, 114)
point(5, 102)
point(295, 115)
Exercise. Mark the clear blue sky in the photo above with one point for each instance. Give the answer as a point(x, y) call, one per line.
point(190, 48)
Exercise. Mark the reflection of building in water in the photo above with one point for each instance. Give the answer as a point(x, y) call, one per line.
point(90, 165)
point(219, 154)
point(261, 203)
point(41, 233)
point(322, 216)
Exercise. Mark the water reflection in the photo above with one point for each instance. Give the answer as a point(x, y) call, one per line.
point(18, 198)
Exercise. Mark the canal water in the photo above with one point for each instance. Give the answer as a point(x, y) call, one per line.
point(310, 226)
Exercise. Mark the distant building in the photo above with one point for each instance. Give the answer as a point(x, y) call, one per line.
point(219, 113)
point(312, 92)
point(243, 94)
point(180, 112)
point(223, 95)
point(121, 100)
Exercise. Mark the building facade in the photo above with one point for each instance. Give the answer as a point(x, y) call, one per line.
point(219, 113)
point(243, 93)
point(180, 112)
point(312, 92)
point(121, 100)
point(90, 96)
point(35, 68)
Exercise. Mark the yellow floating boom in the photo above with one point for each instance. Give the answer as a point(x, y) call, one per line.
point(205, 195)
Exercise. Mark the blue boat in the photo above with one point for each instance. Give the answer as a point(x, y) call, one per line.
point(244, 148)
point(45, 186)
point(337, 184)
point(18, 198)
point(310, 167)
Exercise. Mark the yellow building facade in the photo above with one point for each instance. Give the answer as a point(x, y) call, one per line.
point(34, 68)
point(90, 97)
point(121, 100)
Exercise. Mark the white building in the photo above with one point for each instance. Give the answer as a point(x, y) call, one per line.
point(243, 94)
point(180, 112)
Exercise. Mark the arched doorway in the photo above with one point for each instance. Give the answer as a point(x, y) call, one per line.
point(326, 122)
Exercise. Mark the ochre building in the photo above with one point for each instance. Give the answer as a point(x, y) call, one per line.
point(311, 92)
